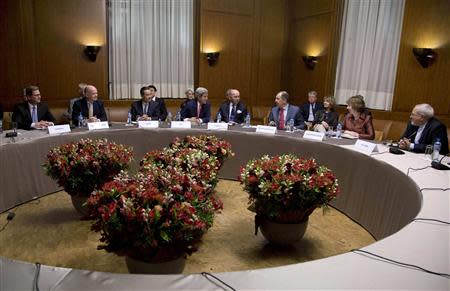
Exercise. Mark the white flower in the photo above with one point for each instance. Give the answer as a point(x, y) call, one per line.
point(238, 111)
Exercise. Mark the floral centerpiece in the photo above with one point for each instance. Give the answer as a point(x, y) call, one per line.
point(85, 165)
point(210, 144)
point(136, 218)
point(286, 189)
point(162, 212)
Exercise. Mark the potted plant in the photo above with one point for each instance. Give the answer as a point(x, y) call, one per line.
point(158, 216)
point(81, 167)
point(283, 191)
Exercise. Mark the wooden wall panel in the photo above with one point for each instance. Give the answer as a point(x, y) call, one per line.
point(42, 44)
point(240, 7)
point(312, 31)
point(425, 24)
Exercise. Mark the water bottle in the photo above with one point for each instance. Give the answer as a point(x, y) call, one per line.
point(436, 149)
point(219, 117)
point(129, 117)
point(247, 120)
point(169, 117)
point(338, 130)
point(80, 120)
point(290, 125)
point(178, 116)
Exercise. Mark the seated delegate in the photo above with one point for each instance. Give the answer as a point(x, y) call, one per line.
point(424, 129)
point(326, 118)
point(283, 112)
point(358, 120)
point(32, 114)
point(232, 110)
point(149, 107)
point(198, 110)
point(89, 106)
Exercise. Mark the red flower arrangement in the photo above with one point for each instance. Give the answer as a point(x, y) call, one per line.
point(83, 166)
point(287, 189)
point(163, 211)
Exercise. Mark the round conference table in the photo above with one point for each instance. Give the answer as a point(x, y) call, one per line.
point(376, 193)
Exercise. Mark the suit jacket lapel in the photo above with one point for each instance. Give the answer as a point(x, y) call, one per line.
point(151, 106)
point(276, 113)
point(425, 131)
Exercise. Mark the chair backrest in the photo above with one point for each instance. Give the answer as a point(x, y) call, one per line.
point(396, 131)
point(260, 114)
point(382, 128)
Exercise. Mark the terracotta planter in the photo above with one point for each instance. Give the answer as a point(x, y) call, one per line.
point(282, 233)
point(77, 202)
point(175, 266)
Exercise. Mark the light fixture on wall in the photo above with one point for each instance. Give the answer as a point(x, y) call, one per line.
point(91, 52)
point(310, 61)
point(425, 56)
point(212, 58)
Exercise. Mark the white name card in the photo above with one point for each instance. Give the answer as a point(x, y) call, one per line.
point(266, 129)
point(314, 135)
point(180, 124)
point(148, 124)
point(217, 126)
point(58, 129)
point(98, 125)
point(365, 147)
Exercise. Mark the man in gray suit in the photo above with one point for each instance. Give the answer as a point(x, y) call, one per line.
point(283, 112)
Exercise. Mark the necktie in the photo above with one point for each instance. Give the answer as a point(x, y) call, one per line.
point(311, 112)
point(145, 108)
point(34, 117)
point(91, 110)
point(233, 113)
point(281, 119)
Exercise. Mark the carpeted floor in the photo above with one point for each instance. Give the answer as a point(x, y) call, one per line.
point(49, 231)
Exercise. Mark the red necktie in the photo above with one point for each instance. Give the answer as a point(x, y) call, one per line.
point(281, 119)
point(199, 108)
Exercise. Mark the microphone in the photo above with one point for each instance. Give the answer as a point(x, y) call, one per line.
point(439, 166)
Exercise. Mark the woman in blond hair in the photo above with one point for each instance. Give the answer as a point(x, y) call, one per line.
point(358, 121)
point(327, 118)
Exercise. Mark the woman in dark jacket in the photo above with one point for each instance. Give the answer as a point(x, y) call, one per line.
point(326, 118)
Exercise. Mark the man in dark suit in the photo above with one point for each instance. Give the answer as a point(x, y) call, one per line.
point(32, 113)
point(283, 112)
point(424, 129)
point(198, 110)
point(232, 110)
point(309, 109)
point(149, 107)
point(89, 106)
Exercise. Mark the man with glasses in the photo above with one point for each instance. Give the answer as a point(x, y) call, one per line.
point(424, 129)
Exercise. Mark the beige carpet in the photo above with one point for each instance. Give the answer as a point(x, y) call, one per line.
point(49, 231)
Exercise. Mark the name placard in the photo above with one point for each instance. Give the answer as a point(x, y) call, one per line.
point(266, 129)
point(314, 135)
point(148, 124)
point(98, 125)
point(217, 126)
point(365, 147)
point(180, 124)
point(58, 129)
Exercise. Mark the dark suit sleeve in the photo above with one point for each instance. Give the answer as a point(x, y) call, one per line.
point(133, 111)
point(48, 116)
point(1, 112)
point(333, 119)
point(299, 121)
point(162, 110)
point(206, 114)
point(76, 109)
point(19, 116)
point(223, 114)
point(185, 111)
point(241, 117)
point(102, 113)
point(271, 118)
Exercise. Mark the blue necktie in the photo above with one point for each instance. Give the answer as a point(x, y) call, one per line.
point(34, 117)
point(233, 113)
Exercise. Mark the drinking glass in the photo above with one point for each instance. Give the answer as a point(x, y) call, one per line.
point(428, 152)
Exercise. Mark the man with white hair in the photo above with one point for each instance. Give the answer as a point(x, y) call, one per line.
point(424, 129)
point(197, 110)
point(309, 109)
point(232, 110)
point(89, 107)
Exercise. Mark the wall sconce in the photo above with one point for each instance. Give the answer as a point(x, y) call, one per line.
point(91, 52)
point(425, 56)
point(212, 58)
point(310, 61)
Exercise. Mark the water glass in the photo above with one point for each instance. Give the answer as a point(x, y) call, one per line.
point(428, 152)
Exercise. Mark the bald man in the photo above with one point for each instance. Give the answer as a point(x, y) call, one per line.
point(90, 107)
